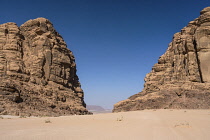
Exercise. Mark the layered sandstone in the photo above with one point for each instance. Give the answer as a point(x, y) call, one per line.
point(181, 78)
point(37, 71)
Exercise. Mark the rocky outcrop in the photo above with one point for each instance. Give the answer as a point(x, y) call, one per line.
point(181, 78)
point(37, 71)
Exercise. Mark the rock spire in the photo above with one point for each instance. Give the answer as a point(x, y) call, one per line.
point(37, 71)
point(181, 78)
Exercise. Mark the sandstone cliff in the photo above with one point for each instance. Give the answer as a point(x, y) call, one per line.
point(37, 71)
point(181, 78)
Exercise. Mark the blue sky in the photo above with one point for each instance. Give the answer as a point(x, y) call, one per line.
point(115, 42)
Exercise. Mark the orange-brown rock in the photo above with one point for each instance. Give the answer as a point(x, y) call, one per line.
point(37, 71)
point(181, 78)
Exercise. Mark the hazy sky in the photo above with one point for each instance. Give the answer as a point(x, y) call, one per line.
point(115, 42)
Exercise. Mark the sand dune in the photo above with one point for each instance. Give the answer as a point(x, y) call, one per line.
point(137, 125)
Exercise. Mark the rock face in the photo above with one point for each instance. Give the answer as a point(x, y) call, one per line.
point(181, 78)
point(37, 71)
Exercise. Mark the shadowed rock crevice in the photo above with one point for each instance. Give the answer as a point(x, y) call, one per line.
point(37, 71)
point(198, 61)
point(181, 78)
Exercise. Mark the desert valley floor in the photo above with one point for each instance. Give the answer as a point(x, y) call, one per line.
point(162, 124)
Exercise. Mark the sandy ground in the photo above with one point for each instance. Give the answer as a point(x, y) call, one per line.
point(136, 125)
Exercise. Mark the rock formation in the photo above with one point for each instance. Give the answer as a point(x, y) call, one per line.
point(181, 78)
point(37, 71)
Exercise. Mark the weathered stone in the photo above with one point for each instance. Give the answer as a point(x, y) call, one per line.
point(37, 71)
point(181, 78)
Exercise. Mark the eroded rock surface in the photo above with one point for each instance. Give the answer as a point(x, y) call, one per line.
point(181, 78)
point(37, 72)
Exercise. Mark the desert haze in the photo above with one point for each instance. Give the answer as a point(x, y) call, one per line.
point(162, 124)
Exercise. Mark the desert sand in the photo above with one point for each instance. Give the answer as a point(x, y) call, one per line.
point(137, 125)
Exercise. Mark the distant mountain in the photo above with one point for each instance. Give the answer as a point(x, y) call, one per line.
point(95, 108)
